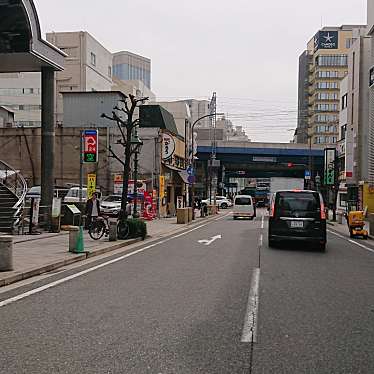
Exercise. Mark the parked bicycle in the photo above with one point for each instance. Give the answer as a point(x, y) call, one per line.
point(100, 227)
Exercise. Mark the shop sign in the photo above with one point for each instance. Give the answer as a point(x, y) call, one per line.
point(326, 40)
point(162, 187)
point(91, 185)
point(118, 185)
point(168, 146)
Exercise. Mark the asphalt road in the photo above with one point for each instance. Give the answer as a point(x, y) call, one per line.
point(180, 306)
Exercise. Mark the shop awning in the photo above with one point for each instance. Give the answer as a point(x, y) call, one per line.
point(157, 116)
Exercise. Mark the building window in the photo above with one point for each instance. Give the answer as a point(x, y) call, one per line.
point(349, 42)
point(344, 101)
point(109, 71)
point(343, 131)
point(93, 59)
point(332, 60)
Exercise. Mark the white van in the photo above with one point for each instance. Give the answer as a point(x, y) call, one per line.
point(73, 195)
point(243, 207)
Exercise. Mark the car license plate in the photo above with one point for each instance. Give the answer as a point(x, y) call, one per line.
point(297, 224)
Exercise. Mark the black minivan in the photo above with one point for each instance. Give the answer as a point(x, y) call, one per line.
point(297, 215)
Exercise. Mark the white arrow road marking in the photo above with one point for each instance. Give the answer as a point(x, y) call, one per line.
point(209, 242)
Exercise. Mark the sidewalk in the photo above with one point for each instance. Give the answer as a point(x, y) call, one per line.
point(342, 228)
point(35, 255)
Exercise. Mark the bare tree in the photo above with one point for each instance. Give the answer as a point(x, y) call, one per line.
point(126, 128)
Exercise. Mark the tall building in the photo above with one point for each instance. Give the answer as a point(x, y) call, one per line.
point(327, 60)
point(88, 66)
point(305, 61)
point(128, 66)
point(370, 29)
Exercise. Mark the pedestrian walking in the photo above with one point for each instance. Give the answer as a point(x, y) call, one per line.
point(92, 209)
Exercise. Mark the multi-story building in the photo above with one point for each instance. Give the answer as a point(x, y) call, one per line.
point(88, 66)
point(21, 93)
point(305, 61)
point(198, 109)
point(128, 66)
point(353, 144)
point(327, 60)
point(370, 30)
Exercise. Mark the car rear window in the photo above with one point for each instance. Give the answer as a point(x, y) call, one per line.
point(297, 204)
point(243, 201)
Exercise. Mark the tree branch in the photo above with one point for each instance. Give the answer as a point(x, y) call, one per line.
point(115, 156)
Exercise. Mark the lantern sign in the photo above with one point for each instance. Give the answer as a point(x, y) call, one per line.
point(90, 146)
point(168, 146)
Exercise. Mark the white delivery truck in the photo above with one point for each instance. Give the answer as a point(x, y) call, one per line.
point(285, 183)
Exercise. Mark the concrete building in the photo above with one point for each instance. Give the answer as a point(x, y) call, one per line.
point(225, 131)
point(21, 92)
point(327, 59)
point(128, 66)
point(370, 29)
point(6, 117)
point(136, 88)
point(198, 109)
point(305, 61)
point(88, 65)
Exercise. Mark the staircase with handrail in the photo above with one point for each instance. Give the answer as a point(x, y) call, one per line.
point(13, 189)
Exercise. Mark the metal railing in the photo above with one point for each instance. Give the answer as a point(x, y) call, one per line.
point(14, 181)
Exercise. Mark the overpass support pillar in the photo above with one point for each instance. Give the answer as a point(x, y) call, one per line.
point(48, 139)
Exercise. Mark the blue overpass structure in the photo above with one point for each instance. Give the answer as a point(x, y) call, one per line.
point(259, 160)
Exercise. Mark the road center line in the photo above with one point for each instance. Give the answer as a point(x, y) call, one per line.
point(352, 241)
point(262, 222)
point(249, 334)
point(261, 241)
point(84, 272)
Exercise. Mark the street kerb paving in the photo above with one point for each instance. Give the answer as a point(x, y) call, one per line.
point(35, 255)
point(342, 228)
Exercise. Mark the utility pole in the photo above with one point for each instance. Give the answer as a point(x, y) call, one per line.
point(212, 169)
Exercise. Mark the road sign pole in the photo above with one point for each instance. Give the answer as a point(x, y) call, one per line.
point(81, 167)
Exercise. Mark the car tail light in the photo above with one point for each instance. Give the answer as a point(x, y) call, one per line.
point(272, 209)
point(323, 213)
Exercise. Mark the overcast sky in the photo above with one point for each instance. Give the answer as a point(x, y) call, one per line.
point(245, 50)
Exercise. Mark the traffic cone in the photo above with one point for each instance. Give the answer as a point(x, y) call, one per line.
point(80, 241)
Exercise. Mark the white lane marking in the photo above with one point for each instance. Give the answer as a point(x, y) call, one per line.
point(209, 242)
point(262, 222)
point(76, 275)
point(249, 333)
point(261, 240)
point(352, 241)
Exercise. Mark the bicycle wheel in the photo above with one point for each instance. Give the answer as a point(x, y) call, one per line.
point(123, 230)
point(96, 230)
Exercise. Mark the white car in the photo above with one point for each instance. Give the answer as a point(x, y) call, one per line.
point(244, 207)
point(111, 205)
point(222, 201)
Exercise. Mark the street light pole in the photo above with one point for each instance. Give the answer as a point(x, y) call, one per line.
point(137, 144)
point(192, 159)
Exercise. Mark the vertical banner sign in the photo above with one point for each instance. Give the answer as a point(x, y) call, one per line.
point(330, 155)
point(91, 185)
point(162, 187)
point(90, 146)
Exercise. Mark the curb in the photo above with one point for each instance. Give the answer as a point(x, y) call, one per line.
point(32, 272)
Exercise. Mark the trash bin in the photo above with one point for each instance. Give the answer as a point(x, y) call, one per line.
point(6, 253)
